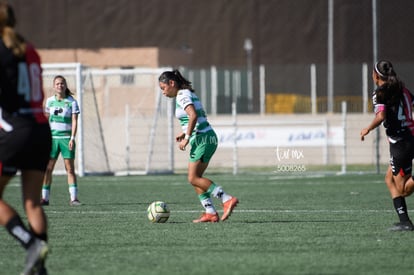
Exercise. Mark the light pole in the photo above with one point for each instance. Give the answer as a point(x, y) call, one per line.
point(248, 47)
point(330, 67)
point(375, 59)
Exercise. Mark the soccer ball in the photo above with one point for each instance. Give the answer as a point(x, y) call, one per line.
point(158, 212)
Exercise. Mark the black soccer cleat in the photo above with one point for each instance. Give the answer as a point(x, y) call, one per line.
point(402, 226)
point(44, 202)
point(35, 259)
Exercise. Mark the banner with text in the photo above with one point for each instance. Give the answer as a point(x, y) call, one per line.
point(280, 136)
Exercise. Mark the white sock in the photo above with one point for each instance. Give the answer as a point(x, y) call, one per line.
point(45, 194)
point(220, 194)
point(208, 206)
point(73, 191)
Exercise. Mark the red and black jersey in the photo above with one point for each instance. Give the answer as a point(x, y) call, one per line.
point(21, 87)
point(25, 137)
point(399, 120)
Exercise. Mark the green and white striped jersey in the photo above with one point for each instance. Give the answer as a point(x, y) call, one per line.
point(185, 98)
point(60, 115)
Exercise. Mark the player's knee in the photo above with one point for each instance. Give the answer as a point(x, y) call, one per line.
point(31, 203)
point(192, 179)
point(70, 168)
point(407, 191)
point(49, 170)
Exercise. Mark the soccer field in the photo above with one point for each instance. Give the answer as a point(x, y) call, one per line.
point(284, 224)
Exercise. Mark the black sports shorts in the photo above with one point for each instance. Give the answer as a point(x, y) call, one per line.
point(402, 154)
point(26, 147)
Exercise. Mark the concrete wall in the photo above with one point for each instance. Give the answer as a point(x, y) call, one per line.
point(357, 152)
point(151, 57)
point(111, 104)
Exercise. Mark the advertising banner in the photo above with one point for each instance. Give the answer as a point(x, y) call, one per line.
point(280, 136)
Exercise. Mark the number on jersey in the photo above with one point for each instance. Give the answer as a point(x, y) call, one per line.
point(29, 82)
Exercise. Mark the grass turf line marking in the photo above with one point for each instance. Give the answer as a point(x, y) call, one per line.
point(130, 212)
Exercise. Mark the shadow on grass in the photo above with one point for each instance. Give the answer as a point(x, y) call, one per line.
point(147, 203)
point(267, 222)
point(298, 221)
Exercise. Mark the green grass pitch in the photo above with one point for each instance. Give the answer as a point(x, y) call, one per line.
point(284, 224)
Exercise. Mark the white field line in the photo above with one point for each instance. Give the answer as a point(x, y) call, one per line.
point(130, 212)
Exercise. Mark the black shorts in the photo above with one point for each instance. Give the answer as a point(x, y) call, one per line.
point(26, 147)
point(402, 155)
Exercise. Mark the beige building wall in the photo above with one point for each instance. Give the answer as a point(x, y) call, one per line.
point(111, 105)
point(117, 57)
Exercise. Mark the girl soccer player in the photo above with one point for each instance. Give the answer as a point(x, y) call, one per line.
point(393, 108)
point(197, 132)
point(25, 139)
point(62, 110)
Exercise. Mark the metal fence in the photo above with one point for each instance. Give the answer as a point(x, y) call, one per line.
point(296, 88)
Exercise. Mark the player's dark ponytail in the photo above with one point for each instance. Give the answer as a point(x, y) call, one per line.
point(393, 86)
point(10, 37)
point(176, 76)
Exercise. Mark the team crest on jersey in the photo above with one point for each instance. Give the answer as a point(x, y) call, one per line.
point(184, 101)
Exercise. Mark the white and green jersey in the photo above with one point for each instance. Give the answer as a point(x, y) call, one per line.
point(185, 98)
point(60, 115)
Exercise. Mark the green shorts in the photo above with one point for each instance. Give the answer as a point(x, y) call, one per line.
point(61, 145)
point(203, 146)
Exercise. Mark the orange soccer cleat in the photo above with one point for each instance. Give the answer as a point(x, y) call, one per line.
point(206, 217)
point(228, 207)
